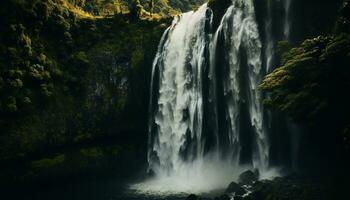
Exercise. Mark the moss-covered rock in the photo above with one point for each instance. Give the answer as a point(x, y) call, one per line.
point(304, 85)
point(48, 162)
point(312, 82)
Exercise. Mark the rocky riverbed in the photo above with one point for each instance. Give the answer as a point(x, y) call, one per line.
point(291, 187)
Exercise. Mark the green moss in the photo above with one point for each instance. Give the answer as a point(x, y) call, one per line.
point(48, 162)
point(136, 57)
point(311, 78)
point(92, 152)
point(114, 150)
point(74, 76)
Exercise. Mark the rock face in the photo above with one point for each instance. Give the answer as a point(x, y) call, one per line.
point(87, 80)
point(248, 177)
point(235, 188)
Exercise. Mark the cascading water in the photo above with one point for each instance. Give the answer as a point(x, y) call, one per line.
point(241, 35)
point(179, 112)
point(271, 36)
point(293, 128)
point(269, 46)
point(274, 32)
point(287, 24)
point(207, 121)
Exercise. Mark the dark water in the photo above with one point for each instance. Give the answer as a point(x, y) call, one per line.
point(88, 190)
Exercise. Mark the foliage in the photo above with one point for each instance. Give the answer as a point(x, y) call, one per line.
point(48, 162)
point(111, 7)
point(65, 75)
point(103, 7)
point(312, 78)
point(312, 82)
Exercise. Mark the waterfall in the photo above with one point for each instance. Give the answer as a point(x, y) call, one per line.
point(293, 129)
point(206, 116)
point(269, 46)
point(287, 24)
point(179, 112)
point(240, 31)
point(274, 32)
point(185, 62)
point(269, 25)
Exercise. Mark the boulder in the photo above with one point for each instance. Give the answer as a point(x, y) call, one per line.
point(248, 177)
point(236, 189)
point(223, 197)
point(150, 173)
point(193, 197)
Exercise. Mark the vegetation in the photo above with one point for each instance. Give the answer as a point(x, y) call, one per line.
point(313, 79)
point(111, 7)
point(67, 80)
point(74, 75)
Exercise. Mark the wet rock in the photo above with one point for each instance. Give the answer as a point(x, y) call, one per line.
point(193, 197)
point(248, 177)
point(236, 189)
point(223, 197)
point(150, 173)
point(283, 188)
point(292, 187)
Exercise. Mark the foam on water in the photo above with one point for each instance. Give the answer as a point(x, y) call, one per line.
point(200, 176)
